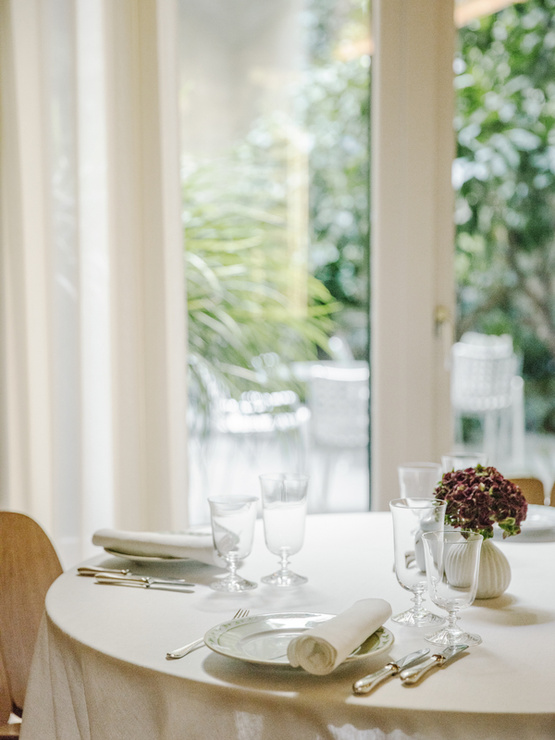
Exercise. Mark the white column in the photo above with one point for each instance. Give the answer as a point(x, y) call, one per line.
point(412, 234)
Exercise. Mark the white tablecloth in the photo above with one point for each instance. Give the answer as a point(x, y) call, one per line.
point(100, 670)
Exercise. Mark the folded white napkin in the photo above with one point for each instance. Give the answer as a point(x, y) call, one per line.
point(193, 545)
point(322, 649)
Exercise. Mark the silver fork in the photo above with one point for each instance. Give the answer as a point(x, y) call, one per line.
point(196, 644)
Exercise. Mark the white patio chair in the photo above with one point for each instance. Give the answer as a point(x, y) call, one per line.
point(485, 384)
point(339, 420)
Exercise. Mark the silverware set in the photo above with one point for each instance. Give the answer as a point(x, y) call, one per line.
point(124, 577)
point(410, 669)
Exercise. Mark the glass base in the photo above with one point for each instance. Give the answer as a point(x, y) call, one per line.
point(233, 587)
point(446, 638)
point(284, 579)
point(421, 619)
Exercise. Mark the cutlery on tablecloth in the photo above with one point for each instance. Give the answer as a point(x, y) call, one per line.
point(367, 683)
point(410, 676)
point(92, 570)
point(141, 582)
point(196, 644)
point(128, 576)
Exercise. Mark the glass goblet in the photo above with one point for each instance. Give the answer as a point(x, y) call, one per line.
point(232, 519)
point(411, 518)
point(462, 461)
point(418, 479)
point(452, 565)
point(284, 514)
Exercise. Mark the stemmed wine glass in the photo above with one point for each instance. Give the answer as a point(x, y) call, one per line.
point(411, 518)
point(452, 565)
point(284, 514)
point(232, 519)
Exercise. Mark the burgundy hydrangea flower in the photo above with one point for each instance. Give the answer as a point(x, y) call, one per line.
point(479, 497)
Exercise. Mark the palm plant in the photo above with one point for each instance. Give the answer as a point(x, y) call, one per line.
point(253, 308)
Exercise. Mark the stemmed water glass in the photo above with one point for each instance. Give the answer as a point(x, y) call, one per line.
point(284, 514)
point(452, 565)
point(411, 518)
point(418, 479)
point(462, 461)
point(232, 519)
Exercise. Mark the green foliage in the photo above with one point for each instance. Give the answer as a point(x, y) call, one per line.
point(505, 175)
point(256, 301)
point(333, 105)
point(242, 284)
point(336, 113)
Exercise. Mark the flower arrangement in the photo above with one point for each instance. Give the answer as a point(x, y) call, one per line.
point(477, 498)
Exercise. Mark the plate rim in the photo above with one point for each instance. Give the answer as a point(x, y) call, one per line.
point(223, 627)
point(144, 558)
point(539, 531)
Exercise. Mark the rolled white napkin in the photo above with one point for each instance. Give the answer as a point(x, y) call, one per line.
point(322, 649)
point(193, 545)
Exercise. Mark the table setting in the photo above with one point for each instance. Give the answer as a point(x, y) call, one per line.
point(209, 633)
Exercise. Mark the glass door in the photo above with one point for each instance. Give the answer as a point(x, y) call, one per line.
point(274, 122)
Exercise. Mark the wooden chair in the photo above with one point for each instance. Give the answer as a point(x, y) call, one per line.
point(532, 489)
point(28, 566)
point(6, 730)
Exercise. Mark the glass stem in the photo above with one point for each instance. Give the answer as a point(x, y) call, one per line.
point(417, 600)
point(284, 561)
point(232, 568)
point(452, 627)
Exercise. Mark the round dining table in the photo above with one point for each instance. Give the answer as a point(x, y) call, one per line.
point(100, 670)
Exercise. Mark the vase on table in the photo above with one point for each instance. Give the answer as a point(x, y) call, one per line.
point(494, 575)
point(495, 572)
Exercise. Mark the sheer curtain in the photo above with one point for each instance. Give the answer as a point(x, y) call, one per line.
point(93, 335)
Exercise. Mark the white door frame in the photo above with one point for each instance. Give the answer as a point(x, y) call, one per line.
point(412, 236)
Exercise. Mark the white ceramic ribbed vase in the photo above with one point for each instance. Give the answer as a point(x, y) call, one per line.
point(495, 571)
point(494, 575)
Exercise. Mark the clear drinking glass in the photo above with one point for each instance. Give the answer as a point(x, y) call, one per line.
point(411, 518)
point(462, 461)
point(232, 519)
point(284, 514)
point(452, 565)
point(418, 479)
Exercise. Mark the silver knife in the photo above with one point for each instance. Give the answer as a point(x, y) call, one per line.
point(91, 570)
point(368, 683)
point(142, 579)
point(410, 676)
point(161, 585)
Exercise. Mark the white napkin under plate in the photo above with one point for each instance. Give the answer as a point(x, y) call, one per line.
point(196, 546)
point(322, 649)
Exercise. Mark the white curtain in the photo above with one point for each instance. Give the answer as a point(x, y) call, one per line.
point(93, 333)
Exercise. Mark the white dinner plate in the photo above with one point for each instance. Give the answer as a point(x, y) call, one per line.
point(264, 638)
point(144, 558)
point(539, 526)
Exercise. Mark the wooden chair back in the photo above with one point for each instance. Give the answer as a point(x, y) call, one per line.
point(532, 489)
point(28, 566)
point(5, 700)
